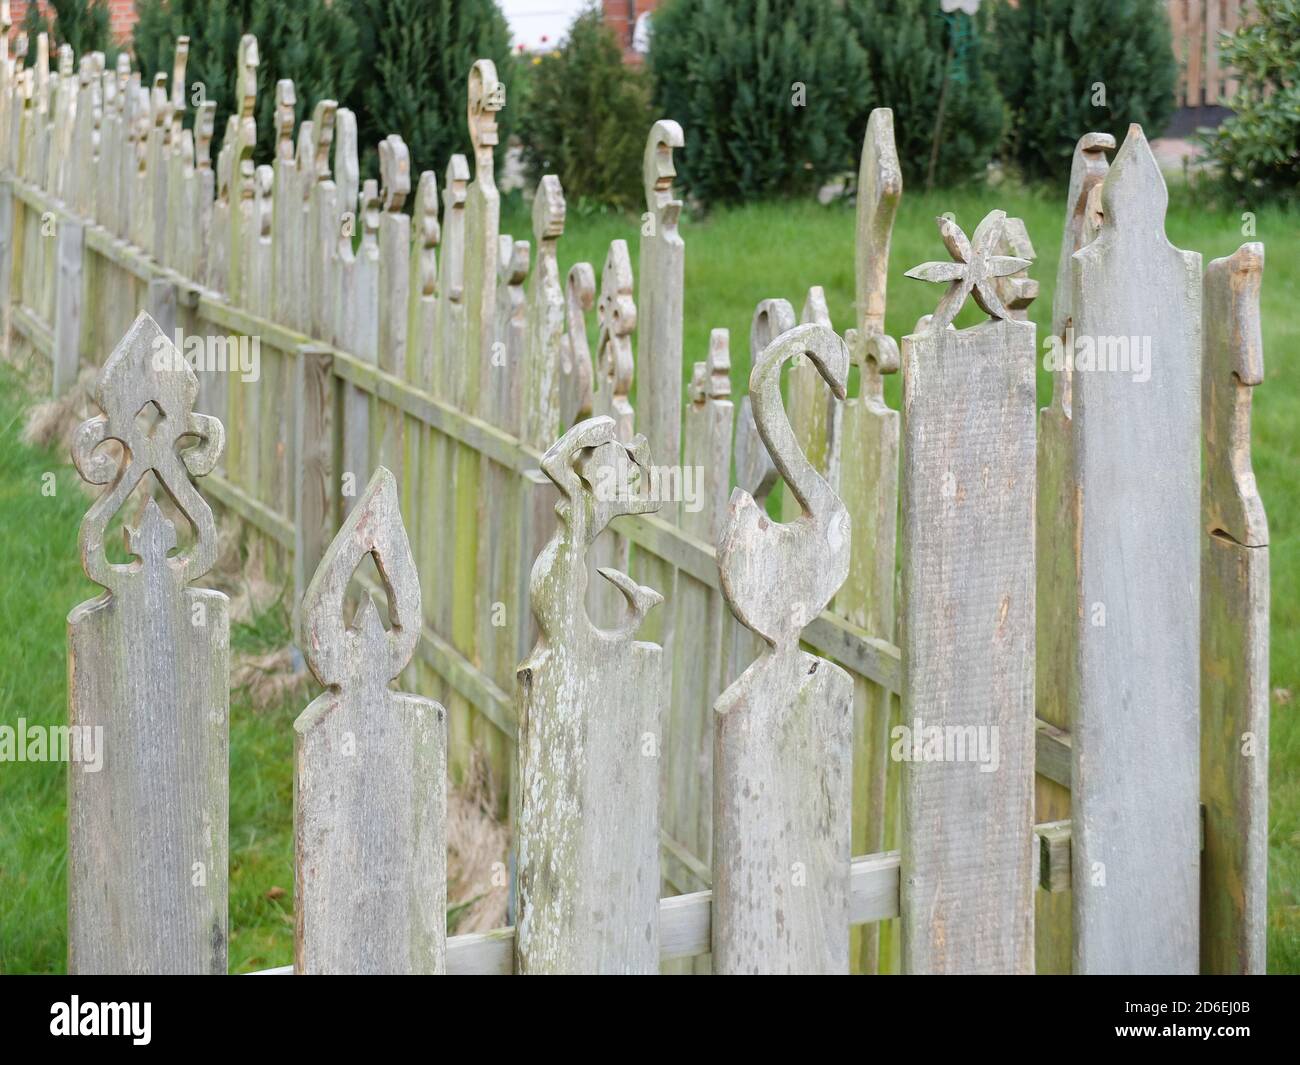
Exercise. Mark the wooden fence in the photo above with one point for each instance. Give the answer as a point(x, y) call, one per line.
point(1197, 25)
point(738, 706)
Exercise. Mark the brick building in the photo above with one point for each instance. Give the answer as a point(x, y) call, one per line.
point(121, 15)
point(621, 16)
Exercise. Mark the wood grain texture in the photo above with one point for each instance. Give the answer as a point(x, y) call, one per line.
point(1057, 542)
point(968, 624)
point(370, 767)
point(783, 730)
point(148, 670)
point(661, 273)
point(68, 296)
point(587, 812)
point(864, 471)
point(1137, 443)
point(1234, 627)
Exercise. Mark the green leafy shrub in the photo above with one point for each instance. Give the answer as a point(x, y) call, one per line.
point(314, 42)
point(767, 93)
point(917, 55)
point(1258, 148)
point(417, 55)
point(586, 118)
point(84, 25)
point(1069, 67)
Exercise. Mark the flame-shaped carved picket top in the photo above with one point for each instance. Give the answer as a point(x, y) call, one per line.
point(179, 63)
point(394, 172)
point(343, 656)
point(616, 315)
point(974, 268)
point(455, 194)
point(145, 368)
point(599, 478)
point(755, 470)
point(812, 552)
point(347, 169)
point(205, 119)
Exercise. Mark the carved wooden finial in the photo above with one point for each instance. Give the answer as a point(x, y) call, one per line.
point(204, 125)
point(783, 729)
point(149, 665)
point(576, 377)
point(487, 96)
point(246, 77)
point(427, 231)
point(586, 698)
point(1234, 366)
point(346, 658)
point(755, 471)
point(394, 172)
point(616, 315)
point(973, 270)
point(146, 374)
point(812, 558)
point(658, 170)
point(1018, 290)
point(323, 117)
point(286, 105)
point(347, 166)
point(179, 62)
point(548, 210)
point(370, 765)
point(711, 379)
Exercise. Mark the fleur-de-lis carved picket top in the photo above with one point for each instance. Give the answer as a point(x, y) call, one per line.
point(146, 369)
point(364, 653)
point(973, 270)
point(598, 477)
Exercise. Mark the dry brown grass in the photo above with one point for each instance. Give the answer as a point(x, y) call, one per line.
point(477, 851)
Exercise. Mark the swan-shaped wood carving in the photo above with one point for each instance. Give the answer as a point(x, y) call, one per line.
point(783, 730)
point(809, 557)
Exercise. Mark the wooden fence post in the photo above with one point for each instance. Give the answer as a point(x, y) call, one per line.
point(864, 471)
point(1137, 458)
point(783, 759)
point(1056, 544)
point(1234, 628)
point(967, 740)
point(370, 767)
point(590, 713)
point(149, 673)
point(315, 486)
point(68, 295)
point(6, 260)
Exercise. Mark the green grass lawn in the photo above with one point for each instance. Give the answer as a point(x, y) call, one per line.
point(734, 259)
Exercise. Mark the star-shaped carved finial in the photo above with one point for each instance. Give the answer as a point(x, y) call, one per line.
point(973, 270)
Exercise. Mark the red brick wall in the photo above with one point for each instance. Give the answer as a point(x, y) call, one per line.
point(620, 16)
point(121, 16)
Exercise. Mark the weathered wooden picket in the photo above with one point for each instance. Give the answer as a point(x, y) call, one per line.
point(655, 743)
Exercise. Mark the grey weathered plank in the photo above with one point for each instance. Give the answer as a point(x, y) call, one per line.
point(783, 730)
point(968, 623)
point(149, 673)
point(863, 468)
point(1137, 443)
point(370, 767)
point(1234, 628)
point(68, 295)
point(589, 732)
point(1057, 596)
